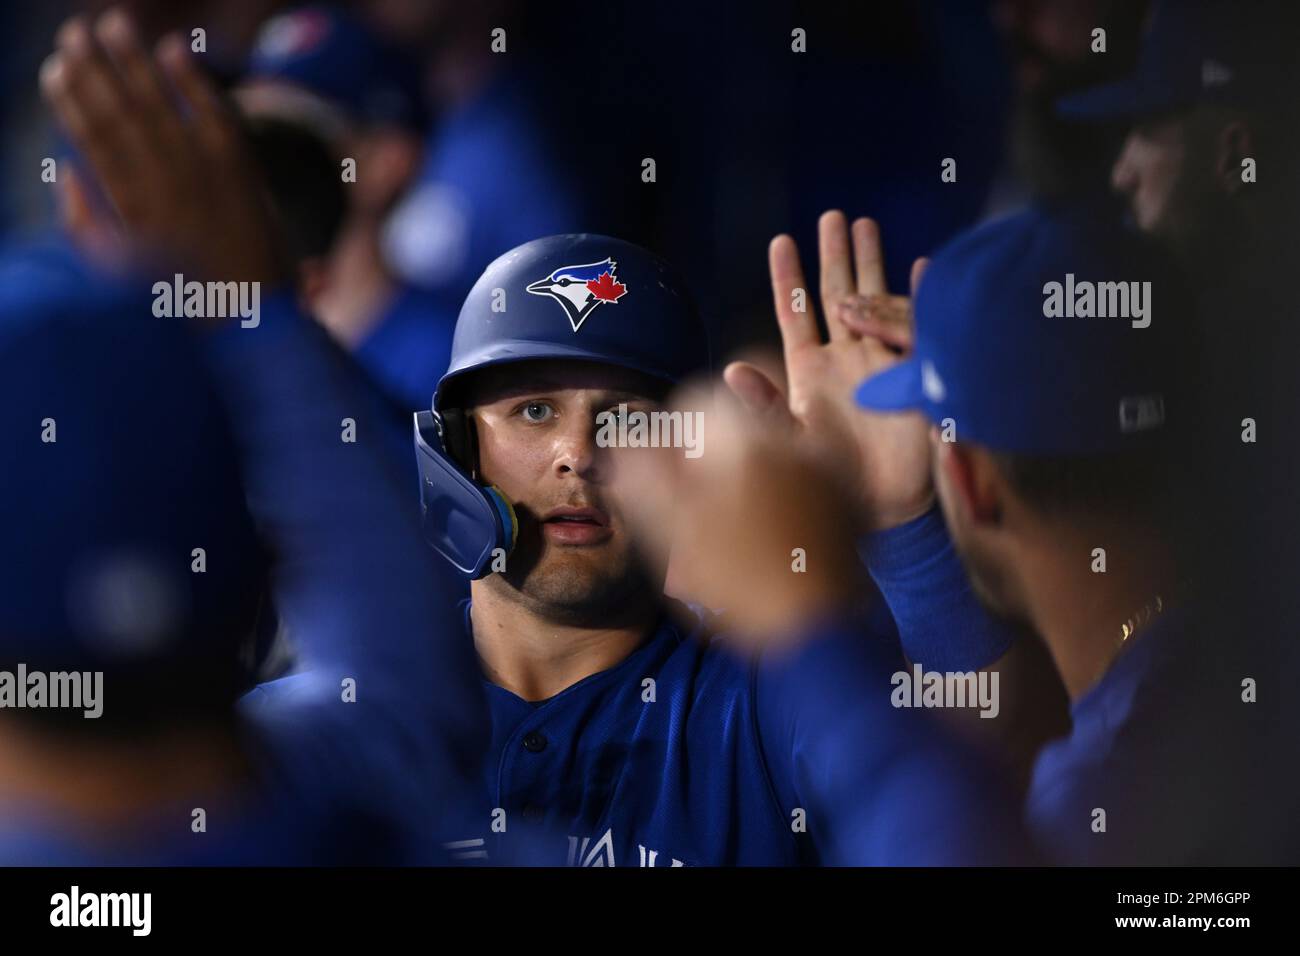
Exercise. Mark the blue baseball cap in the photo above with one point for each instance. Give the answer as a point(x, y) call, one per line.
point(1196, 51)
point(336, 57)
point(118, 462)
point(1011, 347)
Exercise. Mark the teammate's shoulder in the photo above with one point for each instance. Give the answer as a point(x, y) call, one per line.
point(44, 273)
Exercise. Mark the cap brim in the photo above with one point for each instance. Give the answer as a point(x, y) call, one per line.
point(897, 388)
point(1120, 100)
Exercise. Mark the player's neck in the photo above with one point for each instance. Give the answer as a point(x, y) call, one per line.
point(1079, 611)
point(536, 657)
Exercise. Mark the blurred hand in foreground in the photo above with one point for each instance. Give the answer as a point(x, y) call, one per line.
point(756, 527)
point(163, 147)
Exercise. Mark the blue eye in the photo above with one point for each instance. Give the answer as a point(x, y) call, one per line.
point(536, 412)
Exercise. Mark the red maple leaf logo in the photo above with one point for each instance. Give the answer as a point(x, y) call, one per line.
point(606, 288)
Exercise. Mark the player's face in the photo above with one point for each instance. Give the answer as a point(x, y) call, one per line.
point(1151, 173)
point(1047, 37)
point(536, 427)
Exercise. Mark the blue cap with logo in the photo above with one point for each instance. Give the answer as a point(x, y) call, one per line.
point(1037, 334)
point(1196, 51)
point(335, 56)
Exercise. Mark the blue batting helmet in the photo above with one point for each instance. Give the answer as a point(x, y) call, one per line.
point(580, 297)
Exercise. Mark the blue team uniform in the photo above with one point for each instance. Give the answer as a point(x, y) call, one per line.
point(685, 753)
point(798, 758)
point(1187, 771)
point(370, 781)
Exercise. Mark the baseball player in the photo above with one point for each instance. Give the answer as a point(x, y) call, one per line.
point(1205, 170)
point(359, 755)
point(1205, 106)
point(616, 720)
point(146, 591)
point(1056, 442)
point(617, 726)
point(1072, 432)
point(323, 68)
point(100, 584)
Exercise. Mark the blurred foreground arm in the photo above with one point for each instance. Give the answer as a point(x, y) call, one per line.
point(757, 529)
point(884, 460)
point(388, 708)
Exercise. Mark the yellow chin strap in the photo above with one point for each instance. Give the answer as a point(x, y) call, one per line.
point(506, 510)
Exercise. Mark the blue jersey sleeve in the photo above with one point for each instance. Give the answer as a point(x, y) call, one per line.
point(941, 623)
point(878, 786)
point(385, 710)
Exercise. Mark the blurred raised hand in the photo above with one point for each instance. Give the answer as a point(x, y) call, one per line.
point(754, 525)
point(164, 149)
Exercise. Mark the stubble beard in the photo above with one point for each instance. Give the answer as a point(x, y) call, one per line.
point(603, 587)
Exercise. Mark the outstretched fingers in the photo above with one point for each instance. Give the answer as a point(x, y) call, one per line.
point(794, 312)
point(869, 258)
point(836, 256)
point(149, 100)
point(210, 120)
point(94, 109)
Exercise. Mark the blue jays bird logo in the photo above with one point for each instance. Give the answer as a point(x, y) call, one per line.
point(579, 289)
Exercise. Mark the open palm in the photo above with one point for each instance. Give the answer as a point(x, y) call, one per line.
point(885, 457)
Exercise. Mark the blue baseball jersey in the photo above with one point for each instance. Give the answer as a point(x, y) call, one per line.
point(656, 761)
point(1180, 755)
point(687, 753)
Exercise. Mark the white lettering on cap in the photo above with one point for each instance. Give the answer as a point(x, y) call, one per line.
point(1139, 413)
point(931, 383)
point(1214, 73)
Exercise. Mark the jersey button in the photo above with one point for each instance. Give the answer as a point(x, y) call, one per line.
point(534, 742)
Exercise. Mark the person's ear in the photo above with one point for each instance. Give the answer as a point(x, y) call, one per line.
point(1123, 172)
point(1236, 143)
point(976, 488)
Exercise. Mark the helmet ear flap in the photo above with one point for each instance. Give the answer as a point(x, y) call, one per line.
point(459, 438)
point(464, 521)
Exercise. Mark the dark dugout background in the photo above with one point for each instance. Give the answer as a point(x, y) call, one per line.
point(749, 138)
